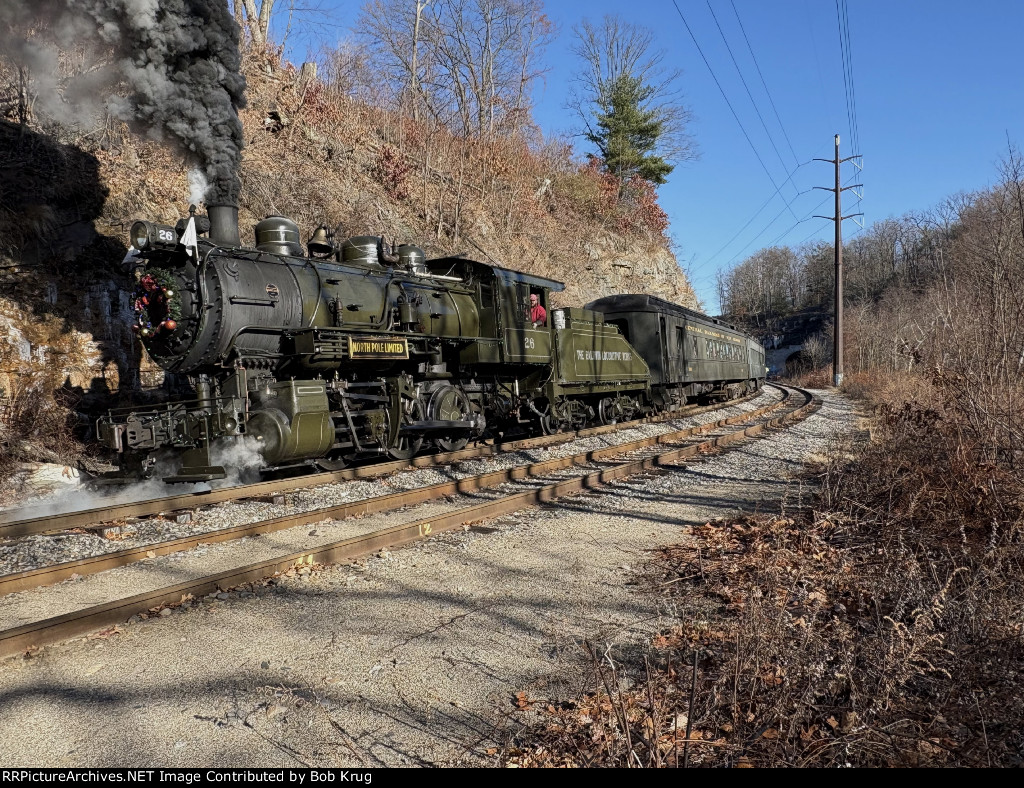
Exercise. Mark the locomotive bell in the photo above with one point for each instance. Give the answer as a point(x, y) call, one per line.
point(278, 235)
point(320, 243)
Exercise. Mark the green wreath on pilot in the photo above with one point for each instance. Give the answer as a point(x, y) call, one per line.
point(157, 307)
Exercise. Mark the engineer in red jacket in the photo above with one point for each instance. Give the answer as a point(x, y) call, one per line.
point(538, 314)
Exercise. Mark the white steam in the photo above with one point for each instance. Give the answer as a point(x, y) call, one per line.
point(240, 458)
point(198, 186)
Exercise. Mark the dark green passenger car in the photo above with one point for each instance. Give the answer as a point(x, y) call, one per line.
point(689, 354)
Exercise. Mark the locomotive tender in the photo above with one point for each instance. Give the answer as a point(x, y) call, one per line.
point(347, 350)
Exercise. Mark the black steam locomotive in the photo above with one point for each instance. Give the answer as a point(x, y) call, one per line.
point(350, 349)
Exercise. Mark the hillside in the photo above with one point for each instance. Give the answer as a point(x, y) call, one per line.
point(68, 197)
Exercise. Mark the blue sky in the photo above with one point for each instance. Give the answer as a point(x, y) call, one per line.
point(937, 87)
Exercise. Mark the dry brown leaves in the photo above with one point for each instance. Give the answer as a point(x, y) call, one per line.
point(806, 653)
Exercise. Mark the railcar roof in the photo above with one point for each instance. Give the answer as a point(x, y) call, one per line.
point(508, 275)
point(638, 302)
point(505, 274)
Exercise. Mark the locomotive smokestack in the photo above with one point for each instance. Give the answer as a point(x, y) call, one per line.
point(224, 224)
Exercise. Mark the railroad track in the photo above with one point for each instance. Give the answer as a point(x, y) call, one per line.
point(37, 520)
point(620, 462)
point(55, 573)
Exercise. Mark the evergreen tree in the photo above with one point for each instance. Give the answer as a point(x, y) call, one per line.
point(629, 105)
point(626, 132)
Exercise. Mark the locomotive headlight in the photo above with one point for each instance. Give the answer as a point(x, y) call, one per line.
point(146, 235)
point(140, 235)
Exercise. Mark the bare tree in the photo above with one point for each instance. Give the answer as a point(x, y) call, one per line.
point(469, 64)
point(346, 70)
point(489, 52)
point(392, 31)
point(816, 352)
point(257, 20)
point(767, 284)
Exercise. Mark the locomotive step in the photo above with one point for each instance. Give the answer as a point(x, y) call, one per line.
point(424, 427)
point(198, 474)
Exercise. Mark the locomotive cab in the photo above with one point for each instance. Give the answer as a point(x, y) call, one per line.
point(522, 341)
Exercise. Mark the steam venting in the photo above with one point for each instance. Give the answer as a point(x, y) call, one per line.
point(170, 68)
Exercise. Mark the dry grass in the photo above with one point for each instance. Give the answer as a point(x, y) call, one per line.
point(814, 378)
point(884, 627)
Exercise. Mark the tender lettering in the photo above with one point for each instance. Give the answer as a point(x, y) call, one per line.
point(603, 355)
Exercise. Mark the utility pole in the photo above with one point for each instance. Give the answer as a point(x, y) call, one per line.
point(837, 328)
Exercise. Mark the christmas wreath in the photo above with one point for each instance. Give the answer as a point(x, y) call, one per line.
point(157, 306)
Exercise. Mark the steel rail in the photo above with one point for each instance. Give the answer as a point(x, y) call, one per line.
point(45, 522)
point(56, 573)
point(57, 628)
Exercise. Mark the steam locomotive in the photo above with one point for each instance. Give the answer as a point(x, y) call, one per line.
point(349, 349)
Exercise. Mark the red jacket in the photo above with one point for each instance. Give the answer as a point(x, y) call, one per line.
point(538, 315)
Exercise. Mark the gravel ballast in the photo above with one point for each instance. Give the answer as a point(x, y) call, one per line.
point(410, 657)
point(27, 553)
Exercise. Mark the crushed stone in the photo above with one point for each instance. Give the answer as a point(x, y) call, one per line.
point(411, 656)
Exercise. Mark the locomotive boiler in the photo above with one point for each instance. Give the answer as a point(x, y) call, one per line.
point(349, 348)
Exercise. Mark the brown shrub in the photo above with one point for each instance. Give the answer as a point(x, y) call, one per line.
point(37, 424)
point(877, 387)
point(882, 628)
point(814, 378)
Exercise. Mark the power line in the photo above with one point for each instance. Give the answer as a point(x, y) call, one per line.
point(790, 229)
point(855, 138)
point(763, 82)
point(729, 103)
point(768, 226)
point(745, 86)
point(785, 232)
point(757, 213)
point(843, 21)
point(749, 221)
point(813, 232)
point(846, 75)
point(853, 85)
point(807, 218)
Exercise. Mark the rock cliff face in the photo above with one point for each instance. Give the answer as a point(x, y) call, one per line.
point(613, 268)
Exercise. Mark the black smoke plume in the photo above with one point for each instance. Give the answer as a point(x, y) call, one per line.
point(170, 68)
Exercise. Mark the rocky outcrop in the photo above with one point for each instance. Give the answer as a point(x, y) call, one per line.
point(610, 267)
